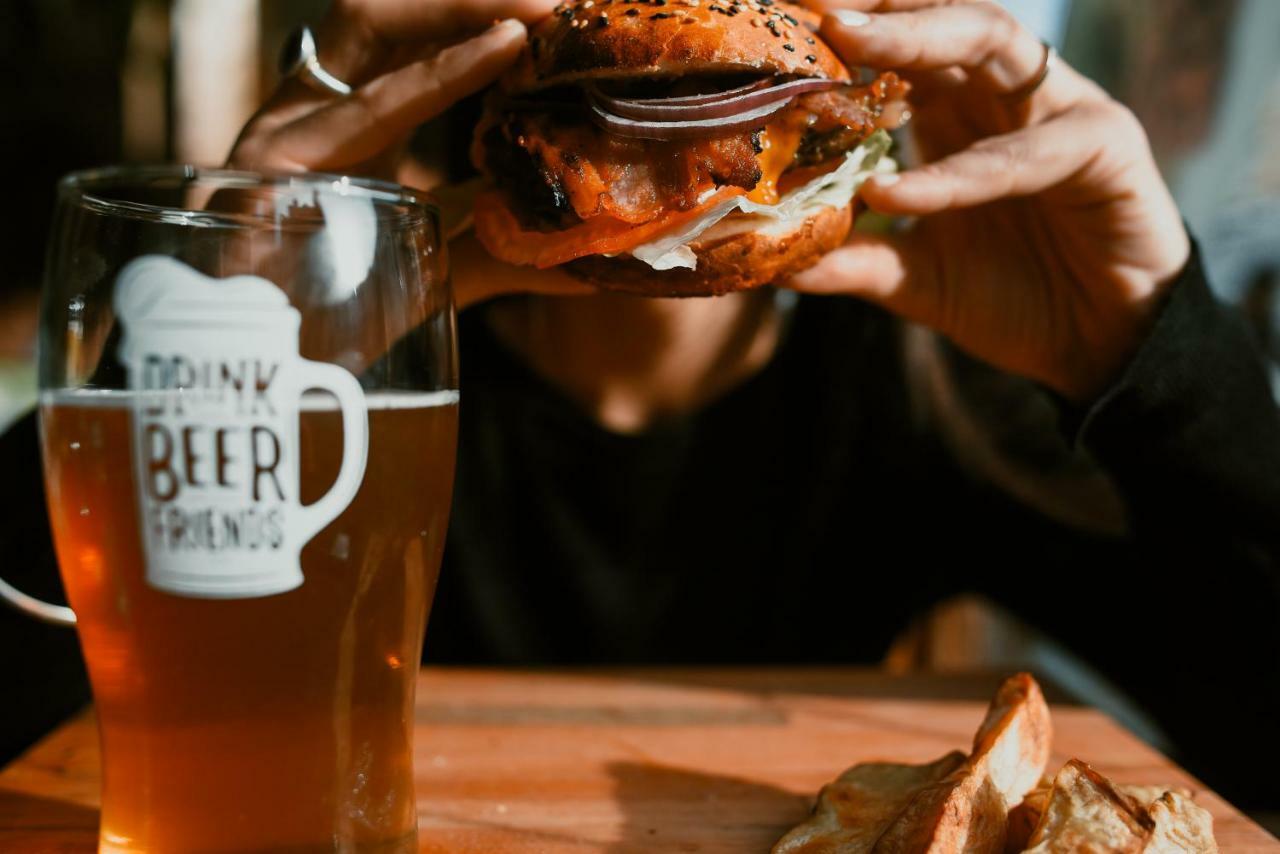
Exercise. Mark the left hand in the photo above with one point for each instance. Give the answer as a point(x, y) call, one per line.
point(1047, 236)
point(408, 62)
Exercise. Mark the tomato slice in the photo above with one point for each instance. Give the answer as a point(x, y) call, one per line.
point(505, 239)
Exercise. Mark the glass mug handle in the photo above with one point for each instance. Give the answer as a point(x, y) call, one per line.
point(355, 442)
point(355, 452)
point(58, 615)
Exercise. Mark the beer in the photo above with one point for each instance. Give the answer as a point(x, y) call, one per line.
point(276, 723)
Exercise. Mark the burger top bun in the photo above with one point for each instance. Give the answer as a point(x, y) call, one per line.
point(602, 39)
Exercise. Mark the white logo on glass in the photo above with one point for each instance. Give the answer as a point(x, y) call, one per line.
point(218, 384)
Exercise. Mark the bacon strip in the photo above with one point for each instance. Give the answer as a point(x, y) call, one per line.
point(598, 174)
point(576, 190)
point(504, 237)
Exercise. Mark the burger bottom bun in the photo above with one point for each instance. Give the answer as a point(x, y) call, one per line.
point(737, 263)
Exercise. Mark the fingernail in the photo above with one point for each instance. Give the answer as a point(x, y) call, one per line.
point(513, 25)
point(851, 17)
point(886, 180)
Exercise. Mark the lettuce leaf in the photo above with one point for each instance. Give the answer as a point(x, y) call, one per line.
point(835, 189)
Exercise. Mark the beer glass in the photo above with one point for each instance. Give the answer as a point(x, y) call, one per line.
point(249, 417)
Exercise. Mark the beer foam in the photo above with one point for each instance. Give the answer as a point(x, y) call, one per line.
point(383, 400)
point(376, 401)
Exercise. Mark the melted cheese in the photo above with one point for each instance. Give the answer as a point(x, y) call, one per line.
point(780, 141)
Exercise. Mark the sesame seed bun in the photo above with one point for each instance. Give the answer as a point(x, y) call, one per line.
point(603, 39)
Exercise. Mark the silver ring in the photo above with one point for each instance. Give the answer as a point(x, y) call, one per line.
point(299, 59)
point(1046, 66)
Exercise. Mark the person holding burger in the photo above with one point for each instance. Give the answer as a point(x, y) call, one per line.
point(786, 472)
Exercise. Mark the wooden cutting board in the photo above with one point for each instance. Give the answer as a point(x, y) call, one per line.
point(639, 761)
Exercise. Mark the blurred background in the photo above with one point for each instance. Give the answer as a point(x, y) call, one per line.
point(91, 82)
point(94, 82)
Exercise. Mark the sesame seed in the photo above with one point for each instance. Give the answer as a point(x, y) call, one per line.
point(811, 58)
point(809, 40)
point(789, 47)
point(755, 22)
point(790, 20)
point(660, 16)
point(589, 4)
point(633, 13)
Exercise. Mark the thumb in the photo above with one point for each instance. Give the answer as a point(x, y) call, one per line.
point(478, 276)
point(891, 271)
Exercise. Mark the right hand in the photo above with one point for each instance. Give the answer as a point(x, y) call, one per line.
point(408, 62)
point(1046, 239)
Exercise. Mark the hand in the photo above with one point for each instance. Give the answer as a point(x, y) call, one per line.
point(1047, 237)
point(407, 62)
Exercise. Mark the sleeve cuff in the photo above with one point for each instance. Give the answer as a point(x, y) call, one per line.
point(1196, 361)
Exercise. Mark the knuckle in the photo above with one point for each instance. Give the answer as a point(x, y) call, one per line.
point(247, 154)
point(429, 76)
point(1016, 156)
point(350, 11)
point(933, 175)
point(1006, 156)
point(1127, 120)
point(1121, 124)
point(364, 109)
point(1001, 23)
point(998, 28)
point(431, 68)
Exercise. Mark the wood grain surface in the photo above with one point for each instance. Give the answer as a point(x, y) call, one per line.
point(636, 761)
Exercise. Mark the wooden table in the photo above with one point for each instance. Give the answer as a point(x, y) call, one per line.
point(671, 761)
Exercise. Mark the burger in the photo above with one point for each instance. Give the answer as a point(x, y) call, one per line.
point(678, 147)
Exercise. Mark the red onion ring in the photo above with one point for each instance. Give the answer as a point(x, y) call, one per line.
point(725, 105)
point(695, 129)
point(710, 97)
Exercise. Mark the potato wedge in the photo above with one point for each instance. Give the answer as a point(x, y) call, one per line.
point(854, 811)
point(1086, 814)
point(952, 805)
point(1171, 823)
point(997, 801)
point(969, 811)
point(1181, 827)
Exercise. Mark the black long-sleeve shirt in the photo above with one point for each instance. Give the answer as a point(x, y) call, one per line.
point(810, 513)
point(863, 475)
